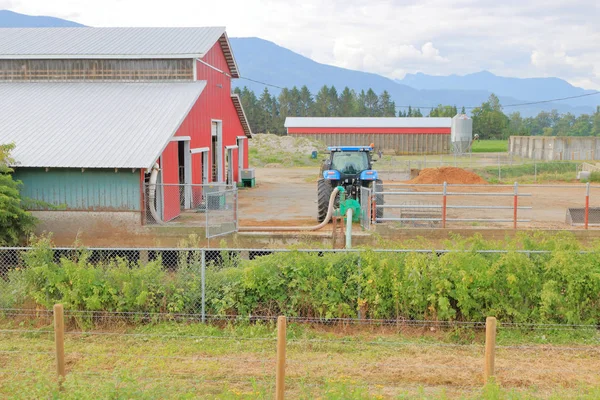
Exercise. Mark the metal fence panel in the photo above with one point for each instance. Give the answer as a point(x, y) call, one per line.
point(222, 213)
point(188, 205)
point(365, 208)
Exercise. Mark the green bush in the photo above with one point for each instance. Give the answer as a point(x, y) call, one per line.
point(15, 222)
point(562, 286)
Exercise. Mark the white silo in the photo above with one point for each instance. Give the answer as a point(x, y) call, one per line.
point(461, 133)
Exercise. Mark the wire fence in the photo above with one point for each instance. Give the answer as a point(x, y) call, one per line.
point(242, 357)
point(494, 167)
point(211, 207)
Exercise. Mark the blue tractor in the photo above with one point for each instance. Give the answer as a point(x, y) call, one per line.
point(352, 168)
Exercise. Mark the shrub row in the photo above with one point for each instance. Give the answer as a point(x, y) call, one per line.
point(562, 286)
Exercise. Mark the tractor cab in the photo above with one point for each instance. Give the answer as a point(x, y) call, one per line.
point(350, 167)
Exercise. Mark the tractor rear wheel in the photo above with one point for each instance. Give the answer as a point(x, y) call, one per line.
point(379, 198)
point(324, 190)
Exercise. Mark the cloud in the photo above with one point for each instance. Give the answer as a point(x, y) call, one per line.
point(6, 4)
point(389, 37)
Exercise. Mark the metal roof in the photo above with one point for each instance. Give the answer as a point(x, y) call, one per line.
point(92, 43)
point(237, 103)
point(92, 125)
point(367, 122)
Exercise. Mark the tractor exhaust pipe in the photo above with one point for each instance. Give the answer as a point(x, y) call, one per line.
point(296, 228)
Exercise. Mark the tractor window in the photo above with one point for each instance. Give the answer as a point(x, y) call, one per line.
point(349, 163)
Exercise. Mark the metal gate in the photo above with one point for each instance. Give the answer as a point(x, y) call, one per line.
point(221, 211)
point(365, 208)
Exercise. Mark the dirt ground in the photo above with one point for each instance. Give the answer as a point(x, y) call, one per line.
point(287, 196)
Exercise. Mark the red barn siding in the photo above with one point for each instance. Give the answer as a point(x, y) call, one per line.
point(214, 104)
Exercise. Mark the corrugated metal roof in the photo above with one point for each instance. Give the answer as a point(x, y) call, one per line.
point(237, 103)
point(92, 125)
point(43, 43)
point(378, 122)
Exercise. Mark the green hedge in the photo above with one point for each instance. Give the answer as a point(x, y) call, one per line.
point(562, 286)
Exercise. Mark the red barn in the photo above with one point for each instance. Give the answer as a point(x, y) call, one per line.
point(398, 135)
point(110, 100)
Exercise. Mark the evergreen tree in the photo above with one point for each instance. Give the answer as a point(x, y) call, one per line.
point(361, 104)
point(372, 104)
point(417, 113)
point(462, 110)
point(347, 103)
point(322, 103)
point(307, 102)
point(409, 113)
point(333, 102)
point(386, 105)
point(266, 112)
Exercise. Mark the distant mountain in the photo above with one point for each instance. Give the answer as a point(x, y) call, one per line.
point(265, 61)
point(10, 19)
point(530, 89)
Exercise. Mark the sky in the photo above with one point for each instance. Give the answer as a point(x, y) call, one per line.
point(519, 38)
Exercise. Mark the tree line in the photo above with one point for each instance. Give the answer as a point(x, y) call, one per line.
point(267, 112)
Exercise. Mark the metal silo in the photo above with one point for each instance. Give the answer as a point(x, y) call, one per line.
point(461, 133)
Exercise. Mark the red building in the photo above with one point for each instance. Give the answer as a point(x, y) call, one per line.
point(161, 97)
point(394, 135)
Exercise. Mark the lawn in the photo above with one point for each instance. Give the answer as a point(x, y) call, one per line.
point(172, 360)
point(490, 146)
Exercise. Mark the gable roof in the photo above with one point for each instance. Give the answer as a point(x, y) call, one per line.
point(93, 125)
point(367, 122)
point(93, 43)
point(237, 103)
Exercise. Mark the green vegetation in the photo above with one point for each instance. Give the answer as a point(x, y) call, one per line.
point(552, 171)
point(15, 221)
point(560, 287)
point(490, 146)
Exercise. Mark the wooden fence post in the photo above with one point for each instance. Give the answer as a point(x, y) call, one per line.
point(59, 339)
point(490, 348)
point(280, 373)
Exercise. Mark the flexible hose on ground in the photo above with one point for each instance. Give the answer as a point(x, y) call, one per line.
point(152, 194)
point(295, 228)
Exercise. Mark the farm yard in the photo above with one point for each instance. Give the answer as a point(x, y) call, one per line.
point(171, 227)
point(394, 319)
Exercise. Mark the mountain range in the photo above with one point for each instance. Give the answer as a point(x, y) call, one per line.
point(265, 61)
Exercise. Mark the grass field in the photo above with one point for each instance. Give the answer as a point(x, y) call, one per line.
point(329, 362)
point(490, 146)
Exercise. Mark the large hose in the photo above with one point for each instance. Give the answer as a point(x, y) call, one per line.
point(152, 194)
point(296, 228)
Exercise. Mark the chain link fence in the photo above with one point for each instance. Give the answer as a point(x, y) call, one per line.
point(212, 207)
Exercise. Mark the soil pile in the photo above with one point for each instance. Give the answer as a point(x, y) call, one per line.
point(448, 175)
